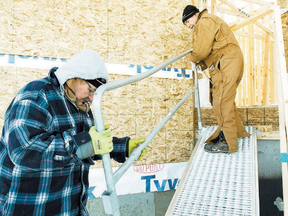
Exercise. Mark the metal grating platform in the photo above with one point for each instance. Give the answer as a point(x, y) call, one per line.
point(219, 184)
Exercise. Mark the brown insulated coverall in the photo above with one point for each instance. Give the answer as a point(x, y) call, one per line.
point(216, 45)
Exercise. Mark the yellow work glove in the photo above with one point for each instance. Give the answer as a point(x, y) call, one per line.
point(101, 141)
point(133, 144)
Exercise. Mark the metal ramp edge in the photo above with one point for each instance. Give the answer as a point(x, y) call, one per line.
point(219, 184)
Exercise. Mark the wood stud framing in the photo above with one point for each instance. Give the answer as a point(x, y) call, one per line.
point(251, 23)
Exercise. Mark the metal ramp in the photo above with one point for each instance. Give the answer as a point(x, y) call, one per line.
point(219, 184)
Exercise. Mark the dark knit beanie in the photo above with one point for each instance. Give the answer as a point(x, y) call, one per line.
point(188, 12)
point(97, 82)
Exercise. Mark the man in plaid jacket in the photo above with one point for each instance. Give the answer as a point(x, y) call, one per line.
point(49, 142)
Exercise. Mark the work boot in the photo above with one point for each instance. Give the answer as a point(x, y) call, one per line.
point(220, 146)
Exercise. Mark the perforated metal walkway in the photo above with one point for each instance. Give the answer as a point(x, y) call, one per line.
point(219, 184)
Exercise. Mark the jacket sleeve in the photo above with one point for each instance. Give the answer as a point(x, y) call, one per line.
point(203, 39)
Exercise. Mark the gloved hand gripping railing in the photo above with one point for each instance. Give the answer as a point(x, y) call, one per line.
point(109, 197)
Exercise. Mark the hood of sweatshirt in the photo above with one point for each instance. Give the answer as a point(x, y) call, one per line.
point(87, 65)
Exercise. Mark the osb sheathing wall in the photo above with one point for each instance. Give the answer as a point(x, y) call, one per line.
point(139, 32)
point(126, 32)
point(284, 17)
point(264, 118)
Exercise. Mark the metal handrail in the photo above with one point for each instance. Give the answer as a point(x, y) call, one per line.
point(109, 197)
point(197, 97)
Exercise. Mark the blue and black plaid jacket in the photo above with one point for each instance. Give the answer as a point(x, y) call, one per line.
point(39, 171)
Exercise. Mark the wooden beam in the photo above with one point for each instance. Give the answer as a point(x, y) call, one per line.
point(246, 75)
point(258, 2)
point(247, 34)
point(212, 6)
point(204, 3)
point(272, 80)
point(251, 80)
point(269, 136)
point(241, 97)
point(228, 10)
point(260, 25)
point(265, 70)
point(258, 80)
point(252, 19)
point(243, 83)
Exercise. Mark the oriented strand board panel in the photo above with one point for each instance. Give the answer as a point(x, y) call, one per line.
point(264, 118)
point(12, 80)
point(138, 108)
point(139, 32)
point(284, 18)
point(282, 4)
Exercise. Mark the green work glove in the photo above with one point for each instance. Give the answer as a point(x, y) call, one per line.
point(101, 141)
point(133, 144)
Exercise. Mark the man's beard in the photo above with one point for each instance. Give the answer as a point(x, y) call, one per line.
point(85, 105)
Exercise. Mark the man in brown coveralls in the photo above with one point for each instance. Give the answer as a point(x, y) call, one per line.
point(216, 47)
